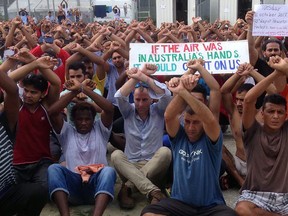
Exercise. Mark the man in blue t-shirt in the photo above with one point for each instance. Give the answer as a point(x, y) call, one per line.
point(196, 149)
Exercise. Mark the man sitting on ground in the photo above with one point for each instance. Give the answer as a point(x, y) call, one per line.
point(145, 161)
point(196, 149)
point(83, 145)
point(265, 189)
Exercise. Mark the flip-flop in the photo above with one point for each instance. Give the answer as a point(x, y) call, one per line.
point(224, 182)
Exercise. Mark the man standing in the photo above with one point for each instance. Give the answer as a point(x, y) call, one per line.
point(50, 17)
point(116, 11)
point(144, 162)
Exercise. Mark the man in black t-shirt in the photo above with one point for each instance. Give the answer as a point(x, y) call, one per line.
point(270, 47)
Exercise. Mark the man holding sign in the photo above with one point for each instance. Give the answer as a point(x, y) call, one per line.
point(270, 47)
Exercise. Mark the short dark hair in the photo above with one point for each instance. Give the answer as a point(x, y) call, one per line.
point(115, 51)
point(82, 106)
point(245, 87)
point(275, 99)
point(189, 110)
point(77, 66)
point(264, 45)
point(200, 89)
point(86, 60)
point(50, 53)
point(37, 81)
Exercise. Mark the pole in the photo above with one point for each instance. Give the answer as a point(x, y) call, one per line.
point(29, 8)
point(5, 10)
point(17, 7)
point(54, 12)
point(92, 12)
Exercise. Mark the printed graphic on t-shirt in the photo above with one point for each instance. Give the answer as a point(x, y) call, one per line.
point(190, 157)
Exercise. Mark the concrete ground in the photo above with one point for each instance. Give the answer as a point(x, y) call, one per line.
point(113, 209)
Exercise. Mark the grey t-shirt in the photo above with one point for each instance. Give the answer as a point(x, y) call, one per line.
point(84, 149)
point(267, 159)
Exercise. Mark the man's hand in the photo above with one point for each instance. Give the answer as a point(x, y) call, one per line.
point(115, 45)
point(166, 33)
point(106, 32)
point(149, 69)
point(131, 71)
point(17, 21)
point(58, 29)
point(134, 73)
point(73, 85)
point(45, 46)
point(175, 85)
point(94, 47)
point(89, 84)
point(76, 47)
point(143, 26)
point(249, 17)
point(77, 37)
point(278, 63)
point(194, 65)
point(133, 25)
point(189, 81)
point(81, 96)
point(244, 69)
point(24, 55)
point(46, 62)
point(196, 19)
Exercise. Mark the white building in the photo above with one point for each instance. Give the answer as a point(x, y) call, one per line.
point(160, 10)
point(184, 10)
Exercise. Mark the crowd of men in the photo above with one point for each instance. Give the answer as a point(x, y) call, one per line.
point(67, 91)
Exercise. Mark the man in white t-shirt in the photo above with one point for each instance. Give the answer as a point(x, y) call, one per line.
point(83, 145)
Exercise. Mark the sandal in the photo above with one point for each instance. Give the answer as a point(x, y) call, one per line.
point(224, 182)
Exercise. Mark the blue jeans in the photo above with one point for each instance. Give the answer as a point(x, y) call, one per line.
point(79, 193)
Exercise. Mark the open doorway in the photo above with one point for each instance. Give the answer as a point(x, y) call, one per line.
point(243, 7)
point(181, 10)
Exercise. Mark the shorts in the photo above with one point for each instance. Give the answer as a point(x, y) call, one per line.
point(172, 207)
point(240, 165)
point(269, 201)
